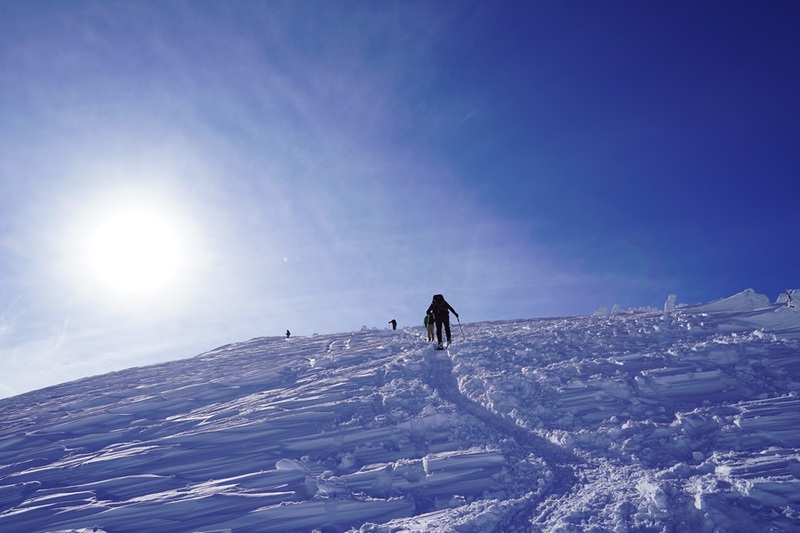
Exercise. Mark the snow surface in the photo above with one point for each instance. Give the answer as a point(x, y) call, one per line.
point(682, 419)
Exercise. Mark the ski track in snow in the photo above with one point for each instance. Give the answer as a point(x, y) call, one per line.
point(686, 420)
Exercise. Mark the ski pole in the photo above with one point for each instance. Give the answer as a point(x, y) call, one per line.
point(459, 326)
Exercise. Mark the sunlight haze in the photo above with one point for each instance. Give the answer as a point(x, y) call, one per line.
point(176, 175)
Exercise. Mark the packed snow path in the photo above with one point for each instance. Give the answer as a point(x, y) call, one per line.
point(440, 376)
point(686, 420)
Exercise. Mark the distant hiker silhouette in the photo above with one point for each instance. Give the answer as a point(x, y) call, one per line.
point(393, 322)
point(441, 311)
point(288, 333)
point(428, 321)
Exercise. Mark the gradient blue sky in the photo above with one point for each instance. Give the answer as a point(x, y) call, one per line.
point(331, 165)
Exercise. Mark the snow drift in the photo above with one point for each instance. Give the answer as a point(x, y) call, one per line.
point(686, 419)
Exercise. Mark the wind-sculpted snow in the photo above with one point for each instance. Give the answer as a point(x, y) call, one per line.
point(685, 420)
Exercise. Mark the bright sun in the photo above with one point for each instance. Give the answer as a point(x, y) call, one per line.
point(134, 251)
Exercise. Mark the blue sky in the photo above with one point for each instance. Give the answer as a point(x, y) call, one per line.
point(323, 166)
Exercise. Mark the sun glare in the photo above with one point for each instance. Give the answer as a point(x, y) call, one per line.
point(134, 251)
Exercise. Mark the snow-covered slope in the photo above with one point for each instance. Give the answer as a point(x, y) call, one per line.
point(686, 420)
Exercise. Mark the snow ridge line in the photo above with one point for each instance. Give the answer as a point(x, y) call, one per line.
point(439, 375)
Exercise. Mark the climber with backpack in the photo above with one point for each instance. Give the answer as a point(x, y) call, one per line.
point(428, 322)
point(441, 312)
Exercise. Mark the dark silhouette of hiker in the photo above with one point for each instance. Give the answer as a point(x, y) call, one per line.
point(393, 322)
point(441, 311)
point(288, 333)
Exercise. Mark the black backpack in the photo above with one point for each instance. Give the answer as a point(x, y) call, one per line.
point(439, 305)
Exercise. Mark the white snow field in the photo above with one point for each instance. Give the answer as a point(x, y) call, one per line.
point(684, 419)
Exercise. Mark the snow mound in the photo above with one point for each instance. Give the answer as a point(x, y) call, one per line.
point(747, 300)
